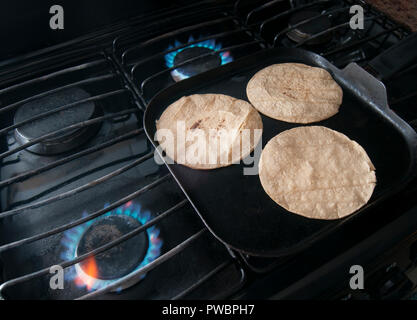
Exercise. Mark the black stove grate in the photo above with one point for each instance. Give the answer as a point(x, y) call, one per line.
point(142, 53)
point(108, 89)
point(273, 22)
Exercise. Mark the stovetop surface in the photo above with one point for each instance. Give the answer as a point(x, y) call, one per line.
point(57, 184)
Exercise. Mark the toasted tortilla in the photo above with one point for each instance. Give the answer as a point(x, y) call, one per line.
point(295, 92)
point(317, 172)
point(215, 123)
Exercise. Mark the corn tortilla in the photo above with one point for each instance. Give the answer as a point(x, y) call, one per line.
point(317, 172)
point(211, 114)
point(295, 92)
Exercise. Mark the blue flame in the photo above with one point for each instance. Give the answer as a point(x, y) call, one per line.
point(209, 44)
point(72, 237)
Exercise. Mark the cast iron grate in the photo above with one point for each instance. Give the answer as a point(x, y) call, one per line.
point(142, 54)
point(97, 73)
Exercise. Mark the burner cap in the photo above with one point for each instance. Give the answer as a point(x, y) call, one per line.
point(309, 29)
point(197, 66)
point(119, 260)
point(64, 141)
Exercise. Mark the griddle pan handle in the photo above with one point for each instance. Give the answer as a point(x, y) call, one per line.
point(395, 59)
point(365, 84)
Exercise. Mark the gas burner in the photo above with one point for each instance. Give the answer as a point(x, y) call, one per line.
point(118, 261)
point(197, 66)
point(210, 58)
point(62, 142)
point(99, 271)
point(310, 28)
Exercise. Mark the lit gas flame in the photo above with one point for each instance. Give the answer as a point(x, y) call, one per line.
point(88, 277)
point(91, 270)
point(209, 44)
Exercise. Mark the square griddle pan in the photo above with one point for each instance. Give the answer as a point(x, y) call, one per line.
point(235, 208)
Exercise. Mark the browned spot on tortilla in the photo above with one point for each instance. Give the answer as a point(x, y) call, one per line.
point(221, 124)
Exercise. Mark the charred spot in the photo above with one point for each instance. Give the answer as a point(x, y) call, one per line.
point(289, 94)
point(221, 124)
point(196, 124)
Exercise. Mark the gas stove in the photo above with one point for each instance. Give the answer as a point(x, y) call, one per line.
point(81, 190)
